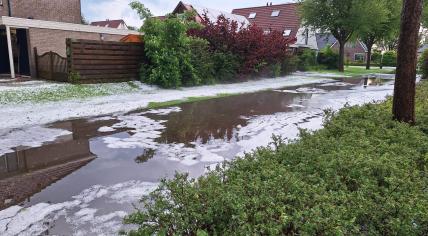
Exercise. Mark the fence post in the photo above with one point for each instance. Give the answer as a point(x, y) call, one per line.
point(69, 52)
point(51, 65)
point(36, 60)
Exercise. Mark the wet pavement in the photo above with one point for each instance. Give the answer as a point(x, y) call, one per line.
point(85, 181)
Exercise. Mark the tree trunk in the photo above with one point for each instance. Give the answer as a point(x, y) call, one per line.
point(405, 79)
point(369, 56)
point(341, 65)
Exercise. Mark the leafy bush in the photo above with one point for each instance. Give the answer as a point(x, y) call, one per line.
point(254, 49)
point(389, 59)
point(289, 65)
point(423, 64)
point(328, 58)
point(363, 174)
point(307, 59)
point(226, 66)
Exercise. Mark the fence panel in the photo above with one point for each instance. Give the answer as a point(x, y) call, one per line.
point(51, 66)
point(101, 61)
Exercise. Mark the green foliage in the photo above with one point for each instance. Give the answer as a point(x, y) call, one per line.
point(202, 62)
point(74, 77)
point(363, 174)
point(423, 64)
point(328, 58)
point(289, 65)
point(226, 65)
point(307, 59)
point(389, 59)
point(142, 11)
point(167, 48)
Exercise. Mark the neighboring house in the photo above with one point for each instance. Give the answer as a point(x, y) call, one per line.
point(45, 25)
point(201, 11)
point(117, 24)
point(354, 51)
point(283, 18)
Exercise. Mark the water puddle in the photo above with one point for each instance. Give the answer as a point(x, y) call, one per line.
point(87, 179)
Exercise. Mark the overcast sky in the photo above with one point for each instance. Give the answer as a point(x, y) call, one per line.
point(95, 10)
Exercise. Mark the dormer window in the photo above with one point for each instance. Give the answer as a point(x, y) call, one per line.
point(286, 33)
point(252, 15)
point(275, 13)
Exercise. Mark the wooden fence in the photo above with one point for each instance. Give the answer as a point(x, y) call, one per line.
point(51, 66)
point(101, 61)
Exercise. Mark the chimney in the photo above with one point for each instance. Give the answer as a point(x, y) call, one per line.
point(271, 3)
point(267, 4)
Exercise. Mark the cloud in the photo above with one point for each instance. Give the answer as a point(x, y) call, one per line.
point(95, 10)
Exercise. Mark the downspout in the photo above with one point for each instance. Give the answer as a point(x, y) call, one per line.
point(9, 9)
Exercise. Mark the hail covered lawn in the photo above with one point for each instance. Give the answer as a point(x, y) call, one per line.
point(38, 103)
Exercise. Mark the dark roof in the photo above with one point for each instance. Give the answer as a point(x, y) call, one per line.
point(108, 23)
point(288, 18)
point(325, 40)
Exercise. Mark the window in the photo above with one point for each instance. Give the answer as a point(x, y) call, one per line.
point(252, 15)
point(359, 57)
point(286, 33)
point(266, 31)
point(275, 13)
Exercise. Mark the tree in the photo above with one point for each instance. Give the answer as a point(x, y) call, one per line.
point(384, 18)
point(405, 79)
point(342, 18)
point(142, 11)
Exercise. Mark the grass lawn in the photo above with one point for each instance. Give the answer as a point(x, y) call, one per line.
point(357, 71)
point(50, 92)
point(362, 174)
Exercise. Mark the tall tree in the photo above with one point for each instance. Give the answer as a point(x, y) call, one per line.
point(342, 18)
point(384, 18)
point(405, 79)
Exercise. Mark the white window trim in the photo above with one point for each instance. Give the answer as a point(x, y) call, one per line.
point(361, 54)
point(54, 25)
point(252, 15)
point(277, 12)
point(286, 33)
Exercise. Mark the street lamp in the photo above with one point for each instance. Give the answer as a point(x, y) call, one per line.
point(381, 59)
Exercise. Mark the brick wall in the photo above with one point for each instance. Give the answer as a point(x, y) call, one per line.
point(350, 50)
point(54, 40)
point(50, 10)
point(4, 9)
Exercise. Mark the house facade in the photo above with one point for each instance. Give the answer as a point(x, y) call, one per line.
point(45, 25)
point(355, 51)
point(283, 18)
point(116, 24)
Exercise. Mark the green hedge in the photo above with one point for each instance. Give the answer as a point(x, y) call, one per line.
point(363, 174)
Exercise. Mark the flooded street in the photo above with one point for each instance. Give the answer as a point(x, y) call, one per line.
point(86, 180)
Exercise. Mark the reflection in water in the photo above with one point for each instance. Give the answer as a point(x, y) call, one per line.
point(28, 171)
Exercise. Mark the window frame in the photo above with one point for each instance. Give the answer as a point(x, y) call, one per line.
point(252, 15)
point(277, 13)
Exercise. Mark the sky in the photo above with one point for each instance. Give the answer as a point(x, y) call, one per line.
point(98, 10)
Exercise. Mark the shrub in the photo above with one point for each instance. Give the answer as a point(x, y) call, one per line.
point(328, 58)
point(74, 77)
point(289, 65)
point(254, 49)
point(363, 174)
point(423, 64)
point(389, 59)
point(226, 66)
point(307, 59)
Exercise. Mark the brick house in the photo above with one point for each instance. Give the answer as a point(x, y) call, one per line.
point(117, 24)
point(45, 25)
point(354, 51)
point(201, 11)
point(283, 18)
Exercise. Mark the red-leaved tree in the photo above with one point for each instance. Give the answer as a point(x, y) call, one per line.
point(254, 48)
